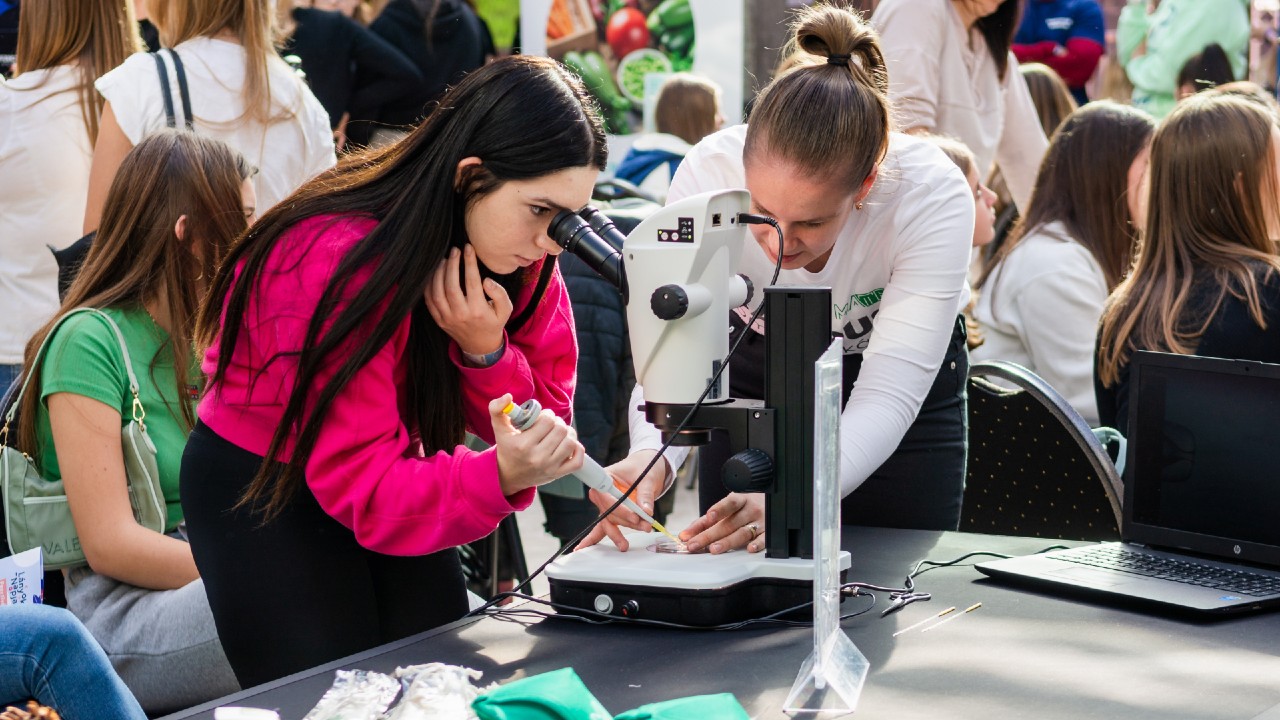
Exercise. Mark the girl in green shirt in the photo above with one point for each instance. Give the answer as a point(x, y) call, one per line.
point(177, 203)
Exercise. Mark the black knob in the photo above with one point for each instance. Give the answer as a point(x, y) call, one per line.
point(669, 302)
point(748, 471)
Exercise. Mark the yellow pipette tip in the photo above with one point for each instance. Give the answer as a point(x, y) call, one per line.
point(658, 526)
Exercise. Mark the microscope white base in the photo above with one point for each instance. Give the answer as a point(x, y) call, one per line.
point(692, 589)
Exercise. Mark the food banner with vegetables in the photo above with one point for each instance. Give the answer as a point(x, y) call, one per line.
point(623, 49)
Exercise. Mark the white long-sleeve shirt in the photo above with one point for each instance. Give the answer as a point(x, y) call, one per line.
point(897, 274)
point(942, 78)
point(1040, 309)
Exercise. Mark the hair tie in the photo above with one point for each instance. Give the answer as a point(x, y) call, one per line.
point(839, 59)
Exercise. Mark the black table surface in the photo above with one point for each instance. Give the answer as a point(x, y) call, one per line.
point(1022, 654)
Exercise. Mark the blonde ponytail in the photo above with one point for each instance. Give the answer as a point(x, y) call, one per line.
point(828, 110)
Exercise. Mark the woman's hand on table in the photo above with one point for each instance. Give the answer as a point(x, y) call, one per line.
point(734, 522)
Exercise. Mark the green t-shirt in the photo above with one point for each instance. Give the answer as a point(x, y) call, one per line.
point(84, 358)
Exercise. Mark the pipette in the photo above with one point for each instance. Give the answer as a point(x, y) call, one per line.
point(591, 474)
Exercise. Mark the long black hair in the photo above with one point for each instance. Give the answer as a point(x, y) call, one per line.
point(998, 30)
point(524, 117)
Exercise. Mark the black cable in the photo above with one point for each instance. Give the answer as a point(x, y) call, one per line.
point(743, 218)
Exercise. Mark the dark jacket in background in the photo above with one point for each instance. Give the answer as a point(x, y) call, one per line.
point(605, 374)
point(350, 69)
point(457, 44)
point(8, 34)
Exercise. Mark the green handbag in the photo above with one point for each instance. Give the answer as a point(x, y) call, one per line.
point(36, 513)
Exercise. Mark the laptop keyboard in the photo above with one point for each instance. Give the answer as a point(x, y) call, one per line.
point(1112, 557)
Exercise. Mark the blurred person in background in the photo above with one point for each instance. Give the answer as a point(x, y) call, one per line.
point(1049, 93)
point(1205, 70)
point(445, 39)
point(951, 72)
point(1053, 103)
point(687, 109)
point(1040, 297)
point(983, 219)
point(1206, 279)
point(8, 34)
point(173, 211)
point(48, 125)
point(241, 92)
point(1262, 69)
point(1066, 35)
point(1154, 40)
point(352, 71)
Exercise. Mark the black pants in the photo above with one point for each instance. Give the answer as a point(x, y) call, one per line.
point(299, 591)
point(919, 486)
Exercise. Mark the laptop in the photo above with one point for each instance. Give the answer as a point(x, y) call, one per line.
point(1200, 530)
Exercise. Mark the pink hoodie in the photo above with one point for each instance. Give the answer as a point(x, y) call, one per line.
point(367, 469)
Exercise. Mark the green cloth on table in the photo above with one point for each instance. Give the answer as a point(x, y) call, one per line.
point(723, 706)
point(557, 695)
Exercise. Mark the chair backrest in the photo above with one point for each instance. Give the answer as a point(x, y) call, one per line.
point(1035, 468)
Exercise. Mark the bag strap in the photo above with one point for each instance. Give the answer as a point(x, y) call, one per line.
point(183, 93)
point(166, 92)
point(139, 414)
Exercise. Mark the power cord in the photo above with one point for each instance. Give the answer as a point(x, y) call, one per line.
point(743, 218)
point(899, 598)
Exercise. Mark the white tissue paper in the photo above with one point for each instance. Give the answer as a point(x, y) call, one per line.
point(436, 691)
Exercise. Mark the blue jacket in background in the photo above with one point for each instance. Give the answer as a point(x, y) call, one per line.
point(1066, 35)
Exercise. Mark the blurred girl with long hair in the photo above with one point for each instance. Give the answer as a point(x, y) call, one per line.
point(174, 208)
point(1206, 280)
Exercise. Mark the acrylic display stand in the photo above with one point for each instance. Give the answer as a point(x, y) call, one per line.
point(830, 679)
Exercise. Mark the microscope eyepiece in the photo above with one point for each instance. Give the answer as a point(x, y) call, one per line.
point(576, 235)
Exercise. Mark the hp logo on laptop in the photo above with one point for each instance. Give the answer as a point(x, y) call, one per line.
point(1235, 549)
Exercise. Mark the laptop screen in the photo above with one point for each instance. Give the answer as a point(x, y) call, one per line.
point(1203, 471)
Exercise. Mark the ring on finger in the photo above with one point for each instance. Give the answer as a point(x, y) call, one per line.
point(755, 530)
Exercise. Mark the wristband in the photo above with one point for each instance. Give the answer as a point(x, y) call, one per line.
point(486, 360)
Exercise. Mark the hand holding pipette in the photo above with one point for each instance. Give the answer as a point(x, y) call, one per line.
point(591, 474)
point(546, 449)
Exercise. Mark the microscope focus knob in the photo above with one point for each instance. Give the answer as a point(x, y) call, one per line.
point(669, 302)
point(748, 471)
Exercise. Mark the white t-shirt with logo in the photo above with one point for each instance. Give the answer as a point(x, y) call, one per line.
point(897, 274)
point(286, 153)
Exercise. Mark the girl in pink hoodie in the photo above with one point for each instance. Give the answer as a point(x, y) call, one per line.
point(355, 334)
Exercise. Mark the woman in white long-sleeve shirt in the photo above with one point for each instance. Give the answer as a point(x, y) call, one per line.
point(1040, 299)
point(886, 221)
point(951, 73)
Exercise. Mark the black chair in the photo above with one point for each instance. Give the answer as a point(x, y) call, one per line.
point(1035, 467)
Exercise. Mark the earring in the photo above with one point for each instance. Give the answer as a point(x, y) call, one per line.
point(858, 205)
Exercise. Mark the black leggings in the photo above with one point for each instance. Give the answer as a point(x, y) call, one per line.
point(299, 591)
point(920, 485)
